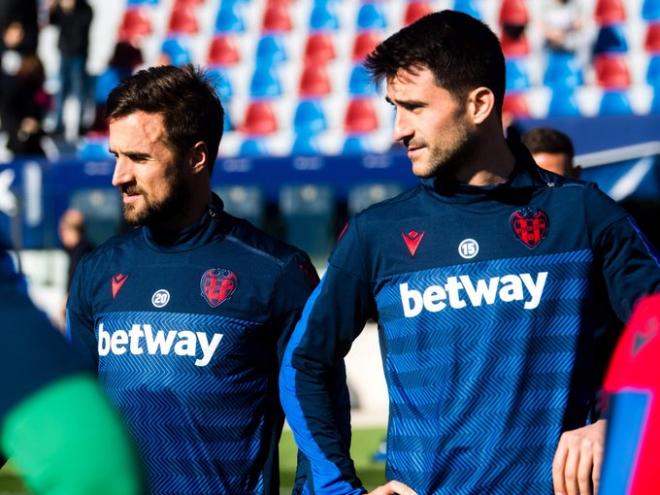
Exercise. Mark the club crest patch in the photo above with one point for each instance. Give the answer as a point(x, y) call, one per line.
point(530, 225)
point(218, 285)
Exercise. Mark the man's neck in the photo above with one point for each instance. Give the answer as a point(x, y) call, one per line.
point(491, 164)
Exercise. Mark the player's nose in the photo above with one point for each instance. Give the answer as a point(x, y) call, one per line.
point(123, 172)
point(402, 128)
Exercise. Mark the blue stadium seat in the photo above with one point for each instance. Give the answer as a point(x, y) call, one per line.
point(371, 17)
point(105, 83)
point(360, 83)
point(221, 82)
point(265, 83)
point(611, 39)
point(651, 10)
point(133, 3)
point(655, 103)
point(365, 195)
point(323, 16)
point(305, 145)
point(229, 18)
point(177, 52)
point(271, 49)
point(563, 104)
point(563, 71)
point(252, 147)
point(357, 144)
point(653, 72)
point(468, 7)
point(516, 75)
point(615, 103)
point(244, 201)
point(227, 124)
point(94, 149)
point(309, 118)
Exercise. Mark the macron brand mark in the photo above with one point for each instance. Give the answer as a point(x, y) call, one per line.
point(458, 291)
point(141, 339)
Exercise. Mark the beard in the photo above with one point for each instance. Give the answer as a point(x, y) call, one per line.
point(448, 163)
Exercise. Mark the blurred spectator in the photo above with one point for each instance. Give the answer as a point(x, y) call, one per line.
point(552, 150)
point(72, 236)
point(18, 23)
point(562, 25)
point(74, 18)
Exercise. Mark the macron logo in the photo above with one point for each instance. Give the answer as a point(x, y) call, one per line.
point(141, 338)
point(457, 292)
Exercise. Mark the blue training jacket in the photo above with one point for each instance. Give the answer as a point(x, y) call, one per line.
point(187, 333)
point(494, 307)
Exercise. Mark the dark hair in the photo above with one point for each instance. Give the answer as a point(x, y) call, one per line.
point(547, 140)
point(190, 107)
point(462, 52)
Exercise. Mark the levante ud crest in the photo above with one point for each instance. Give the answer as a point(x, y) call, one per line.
point(218, 285)
point(530, 225)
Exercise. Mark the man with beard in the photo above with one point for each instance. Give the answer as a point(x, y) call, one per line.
point(186, 317)
point(489, 281)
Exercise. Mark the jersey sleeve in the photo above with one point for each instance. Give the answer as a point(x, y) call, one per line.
point(79, 318)
point(313, 381)
point(629, 263)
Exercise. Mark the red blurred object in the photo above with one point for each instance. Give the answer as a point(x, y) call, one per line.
point(195, 3)
point(364, 44)
point(183, 20)
point(259, 119)
point(515, 105)
point(277, 19)
point(610, 12)
point(314, 81)
point(223, 51)
point(652, 40)
point(135, 24)
point(360, 117)
point(319, 48)
point(612, 71)
point(513, 12)
point(514, 47)
point(415, 11)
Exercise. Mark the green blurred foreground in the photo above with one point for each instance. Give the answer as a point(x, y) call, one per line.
point(365, 443)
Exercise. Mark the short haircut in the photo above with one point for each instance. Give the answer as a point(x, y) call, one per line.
point(547, 140)
point(461, 52)
point(190, 107)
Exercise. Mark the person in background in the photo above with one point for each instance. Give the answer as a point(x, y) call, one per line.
point(552, 150)
point(562, 25)
point(72, 235)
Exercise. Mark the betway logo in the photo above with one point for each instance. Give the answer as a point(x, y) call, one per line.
point(141, 338)
point(457, 292)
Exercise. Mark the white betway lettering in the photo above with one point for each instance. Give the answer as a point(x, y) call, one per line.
point(508, 288)
point(142, 337)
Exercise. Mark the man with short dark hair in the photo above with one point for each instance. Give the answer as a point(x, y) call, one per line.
point(488, 282)
point(552, 150)
point(186, 317)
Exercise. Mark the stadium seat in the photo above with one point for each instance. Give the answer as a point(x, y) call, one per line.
point(364, 44)
point(244, 202)
point(305, 145)
point(513, 12)
point(614, 103)
point(183, 20)
point(563, 104)
point(223, 50)
point(612, 71)
point(652, 38)
point(467, 7)
point(323, 17)
point(314, 81)
point(653, 73)
point(514, 47)
point(94, 149)
point(360, 83)
point(271, 50)
point(371, 16)
point(105, 83)
point(309, 118)
point(221, 82)
point(515, 104)
point(651, 10)
point(563, 71)
point(611, 39)
point(277, 19)
point(363, 196)
point(133, 3)
point(655, 103)
point(358, 144)
point(230, 18)
point(194, 3)
point(260, 119)
point(176, 52)
point(253, 147)
point(416, 10)
point(265, 83)
point(319, 49)
point(516, 75)
point(360, 117)
point(135, 24)
point(610, 12)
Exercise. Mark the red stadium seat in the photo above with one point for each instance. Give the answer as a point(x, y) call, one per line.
point(415, 11)
point(612, 71)
point(515, 105)
point(259, 119)
point(364, 44)
point(277, 19)
point(183, 20)
point(223, 50)
point(514, 47)
point(135, 24)
point(513, 12)
point(652, 40)
point(610, 12)
point(319, 48)
point(360, 117)
point(314, 81)
point(189, 2)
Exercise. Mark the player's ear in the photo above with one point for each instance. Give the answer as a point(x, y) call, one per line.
point(198, 157)
point(481, 103)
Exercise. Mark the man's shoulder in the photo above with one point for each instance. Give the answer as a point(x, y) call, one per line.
point(400, 205)
point(115, 246)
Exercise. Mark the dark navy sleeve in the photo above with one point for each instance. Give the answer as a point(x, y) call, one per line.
point(79, 319)
point(34, 353)
point(629, 263)
point(312, 380)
